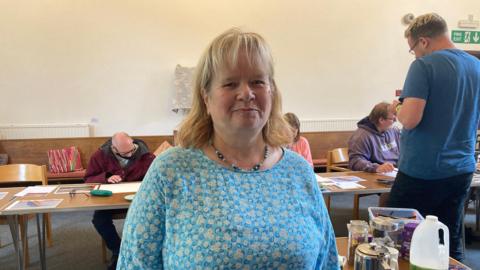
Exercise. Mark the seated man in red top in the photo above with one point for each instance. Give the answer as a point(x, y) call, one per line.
point(120, 159)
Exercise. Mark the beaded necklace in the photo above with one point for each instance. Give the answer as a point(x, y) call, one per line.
point(255, 167)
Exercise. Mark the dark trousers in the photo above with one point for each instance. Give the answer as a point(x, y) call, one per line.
point(103, 222)
point(444, 198)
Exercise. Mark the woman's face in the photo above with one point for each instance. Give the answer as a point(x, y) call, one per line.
point(240, 98)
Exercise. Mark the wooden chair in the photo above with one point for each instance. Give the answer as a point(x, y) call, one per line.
point(25, 175)
point(337, 160)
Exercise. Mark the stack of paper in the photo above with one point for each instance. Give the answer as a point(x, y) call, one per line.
point(347, 182)
point(348, 185)
point(342, 182)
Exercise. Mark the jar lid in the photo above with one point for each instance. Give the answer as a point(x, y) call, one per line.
point(357, 225)
point(384, 224)
point(374, 250)
point(367, 249)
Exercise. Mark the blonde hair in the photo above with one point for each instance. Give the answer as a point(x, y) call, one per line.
point(197, 128)
point(428, 25)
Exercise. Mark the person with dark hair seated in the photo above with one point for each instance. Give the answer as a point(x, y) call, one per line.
point(374, 146)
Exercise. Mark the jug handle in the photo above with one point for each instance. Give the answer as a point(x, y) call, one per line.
point(443, 251)
point(446, 233)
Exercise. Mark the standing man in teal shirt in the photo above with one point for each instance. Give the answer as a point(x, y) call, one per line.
point(439, 111)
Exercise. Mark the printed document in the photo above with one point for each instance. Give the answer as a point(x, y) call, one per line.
point(122, 187)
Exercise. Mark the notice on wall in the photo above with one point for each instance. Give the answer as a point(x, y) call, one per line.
point(466, 37)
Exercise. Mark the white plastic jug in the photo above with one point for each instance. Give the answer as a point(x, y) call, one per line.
point(428, 250)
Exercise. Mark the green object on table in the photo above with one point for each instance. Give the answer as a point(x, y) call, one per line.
point(101, 192)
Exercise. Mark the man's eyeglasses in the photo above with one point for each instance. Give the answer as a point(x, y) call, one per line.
point(413, 47)
point(123, 154)
point(392, 119)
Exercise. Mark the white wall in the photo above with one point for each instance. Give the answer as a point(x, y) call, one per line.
point(65, 61)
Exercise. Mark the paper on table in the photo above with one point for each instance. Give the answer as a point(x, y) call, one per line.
point(36, 190)
point(324, 181)
point(121, 188)
point(3, 194)
point(391, 174)
point(346, 178)
point(348, 185)
point(34, 204)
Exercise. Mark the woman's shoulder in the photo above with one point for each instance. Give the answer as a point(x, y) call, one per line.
point(293, 159)
point(177, 154)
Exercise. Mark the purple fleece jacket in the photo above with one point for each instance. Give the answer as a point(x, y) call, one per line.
point(368, 148)
point(104, 164)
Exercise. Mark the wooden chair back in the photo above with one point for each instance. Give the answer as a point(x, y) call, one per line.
point(337, 159)
point(26, 175)
point(23, 174)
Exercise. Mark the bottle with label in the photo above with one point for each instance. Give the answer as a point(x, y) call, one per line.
point(429, 248)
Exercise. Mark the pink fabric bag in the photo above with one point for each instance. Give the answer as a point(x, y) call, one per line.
point(64, 160)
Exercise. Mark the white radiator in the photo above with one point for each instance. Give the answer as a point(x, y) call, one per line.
point(328, 125)
point(31, 131)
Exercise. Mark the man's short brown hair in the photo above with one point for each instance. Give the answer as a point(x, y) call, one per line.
point(380, 110)
point(428, 25)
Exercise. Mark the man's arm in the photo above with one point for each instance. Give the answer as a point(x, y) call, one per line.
point(410, 112)
point(95, 172)
point(358, 154)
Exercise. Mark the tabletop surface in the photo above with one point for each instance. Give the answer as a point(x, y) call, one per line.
point(342, 245)
point(371, 184)
point(77, 202)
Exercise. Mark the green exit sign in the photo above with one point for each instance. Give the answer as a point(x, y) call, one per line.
point(461, 36)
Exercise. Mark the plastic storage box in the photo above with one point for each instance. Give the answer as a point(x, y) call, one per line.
point(399, 215)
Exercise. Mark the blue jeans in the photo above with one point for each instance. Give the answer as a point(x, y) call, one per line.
point(444, 198)
point(103, 223)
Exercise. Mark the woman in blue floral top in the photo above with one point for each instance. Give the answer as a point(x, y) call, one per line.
point(230, 197)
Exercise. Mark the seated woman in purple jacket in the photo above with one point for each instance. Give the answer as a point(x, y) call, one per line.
point(374, 146)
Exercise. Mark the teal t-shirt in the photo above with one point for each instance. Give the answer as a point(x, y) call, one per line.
point(443, 143)
point(192, 213)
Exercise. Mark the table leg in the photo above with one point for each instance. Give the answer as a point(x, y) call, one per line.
point(477, 208)
point(14, 230)
point(41, 240)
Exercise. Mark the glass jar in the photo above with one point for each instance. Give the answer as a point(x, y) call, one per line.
point(357, 234)
point(387, 230)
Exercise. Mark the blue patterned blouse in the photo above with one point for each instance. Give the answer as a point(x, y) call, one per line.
point(192, 213)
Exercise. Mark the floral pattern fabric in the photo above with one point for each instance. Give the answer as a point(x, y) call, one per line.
point(192, 213)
